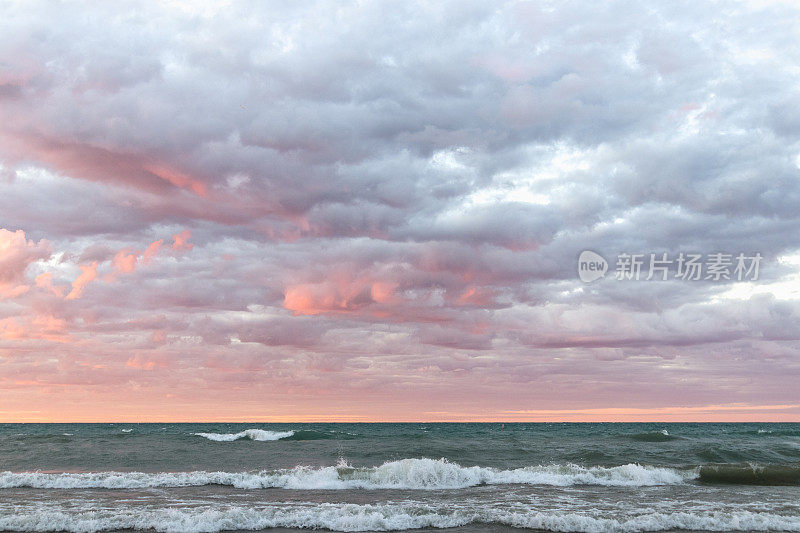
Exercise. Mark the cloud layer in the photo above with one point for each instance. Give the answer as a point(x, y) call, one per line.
point(374, 210)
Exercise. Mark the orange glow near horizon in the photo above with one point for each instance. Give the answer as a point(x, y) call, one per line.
point(730, 413)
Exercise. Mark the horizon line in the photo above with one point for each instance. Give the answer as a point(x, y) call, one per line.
point(793, 421)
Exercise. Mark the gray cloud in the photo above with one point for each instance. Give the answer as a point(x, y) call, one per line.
point(390, 187)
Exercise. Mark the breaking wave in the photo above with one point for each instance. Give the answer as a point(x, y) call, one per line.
point(415, 474)
point(380, 517)
point(310, 434)
point(252, 434)
point(751, 474)
point(775, 432)
point(653, 436)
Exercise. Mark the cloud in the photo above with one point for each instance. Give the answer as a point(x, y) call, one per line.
point(45, 281)
point(88, 274)
point(180, 241)
point(124, 262)
point(390, 202)
point(151, 250)
point(16, 254)
point(37, 327)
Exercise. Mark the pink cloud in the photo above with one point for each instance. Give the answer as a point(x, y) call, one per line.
point(178, 179)
point(477, 297)
point(181, 241)
point(88, 274)
point(42, 326)
point(124, 261)
point(114, 164)
point(383, 292)
point(142, 362)
point(311, 300)
point(45, 281)
point(16, 254)
point(330, 297)
point(10, 328)
point(159, 337)
point(49, 327)
point(151, 250)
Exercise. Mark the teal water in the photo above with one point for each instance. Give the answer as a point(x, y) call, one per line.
point(378, 477)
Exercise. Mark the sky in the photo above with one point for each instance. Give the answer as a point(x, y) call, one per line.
point(363, 211)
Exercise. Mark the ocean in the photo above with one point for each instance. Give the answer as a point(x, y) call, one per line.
point(395, 477)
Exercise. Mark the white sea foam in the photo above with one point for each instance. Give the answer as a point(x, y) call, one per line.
point(693, 521)
point(420, 474)
point(379, 517)
point(252, 434)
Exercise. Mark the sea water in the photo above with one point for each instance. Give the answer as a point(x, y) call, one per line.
point(394, 477)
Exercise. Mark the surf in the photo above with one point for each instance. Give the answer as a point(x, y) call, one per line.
point(750, 474)
point(379, 517)
point(252, 434)
point(653, 436)
point(410, 474)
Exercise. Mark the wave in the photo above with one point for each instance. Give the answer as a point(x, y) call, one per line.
point(413, 474)
point(379, 517)
point(653, 436)
point(310, 434)
point(750, 474)
point(252, 434)
point(265, 435)
point(775, 433)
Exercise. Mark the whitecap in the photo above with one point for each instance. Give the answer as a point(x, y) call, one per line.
point(252, 434)
point(415, 474)
point(379, 517)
